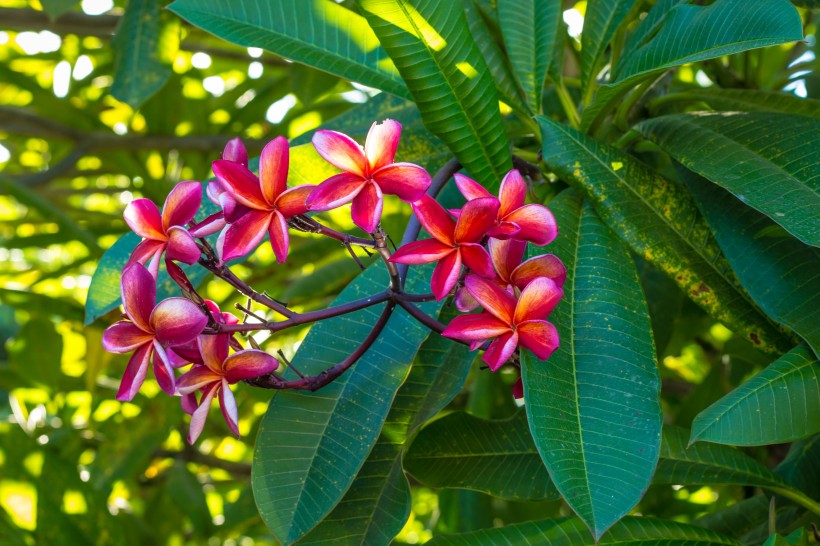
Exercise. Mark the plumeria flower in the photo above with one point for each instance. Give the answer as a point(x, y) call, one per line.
point(534, 223)
point(214, 377)
point(265, 201)
point(369, 173)
point(235, 152)
point(149, 331)
point(509, 321)
point(188, 353)
point(453, 242)
point(166, 231)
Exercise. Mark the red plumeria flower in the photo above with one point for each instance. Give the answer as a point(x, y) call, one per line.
point(368, 173)
point(453, 242)
point(165, 232)
point(188, 353)
point(511, 322)
point(533, 223)
point(214, 377)
point(151, 329)
point(262, 204)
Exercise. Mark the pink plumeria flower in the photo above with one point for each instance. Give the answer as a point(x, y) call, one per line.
point(516, 220)
point(214, 377)
point(235, 152)
point(188, 353)
point(453, 242)
point(369, 173)
point(166, 231)
point(151, 330)
point(265, 203)
point(509, 321)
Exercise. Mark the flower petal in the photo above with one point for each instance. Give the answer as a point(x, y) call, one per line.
point(201, 414)
point(341, 151)
point(249, 363)
point(279, 238)
point(546, 265)
point(188, 403)
point(421, 252)
point(504, 230)
point(407, 181)
point(244, 235)
point(464, 301)
point(124, 337)
point(493, 298)
point(506, 256)
point(196, 378)
point(243, 183)
point(231, 209)
point(500, 350)
point(208, 226)
point(214, 351)
point(475, 327)
point(469, 188)
point(293, 201)
point(139, 292)
point(537, 300)
point(512, 193)
point(182, 246)
point(135, 372)
point(536, 222)
point(176, 321)
point(235, 151)
point(142, 216)
point(381, 143)
point(227, 403)
point(273, 168)
point(146, 250)
point(435, 219)
point(477, 217)
point(477, 260)
point(163, 370)
point(214, 189)
point(182, 204)
point(445, 275)
point(539, 336)
point(518, 388)
point(336, 191)
point(366, 210)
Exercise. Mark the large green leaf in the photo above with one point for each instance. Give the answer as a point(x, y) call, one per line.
point(601, 20)
point(801, 467)
point(530, 29)
point(430, 43)
point(571, 532)
point(780, 404)
point(779, 272)
point(594, 408)
point(310, 446)
point(377, 505)
point(769, 161)
point(496, 457)
point(752, 100)
point(660, 221)
point(318, 33)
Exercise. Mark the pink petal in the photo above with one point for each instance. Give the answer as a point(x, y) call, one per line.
point(476, 344)
point(537, 300)
point(539, 336)
point(518, 389)
point(208, 226)
point(494, 299)
point(135, 372)
point(336, 191)
point(407, 181)
point(182, 246)
point(464, 301)
point(235, 151)
point(367, 207)
point(506, 256)
point(341, 151)
point(381, 143)
point(279, 239)
point(142, 216)
point(477, 217)
point(243, 183)
point(546, 265)
point(163, 371)
point(196, 378)
point(231, 209)
point(293, 201)
point(139, 293)
point(476, 259)
point(536, 222)
point(227, 403)
point(435, 219)
point(445, 275)
point(421, 252)
point(188, 403)
point(182, 204)
point(177, 359)
point(504, 230)
point(475, 327)
point(244, 235)
point(153, 265)
point(186, 353)
point(273, 168)
point(124, 337)
point(214, 351)
point(201, 414)
point(176, 321)
point(469, 188)
point(146, 250)
point(500, 350)
point(249, 363)
point(512, 193)
point(214, 190)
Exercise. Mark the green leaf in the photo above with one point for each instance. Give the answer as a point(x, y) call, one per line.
point(780, 404)
point(769, 161)
point(530, 29)
point(601, 20)
point(319, 33)
point(779, 272)
point(571, 532)
point(310, 446)
point(377, 505)
point(660, 221)
point(752, 100)
point(496, 457)
point(737, 519)
point(145, 44)
point(430, 43)
point(186, 491)
point(801, 467)
point(601, 388)
point(42, 305)
point(55, 8)
point(36, 352)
